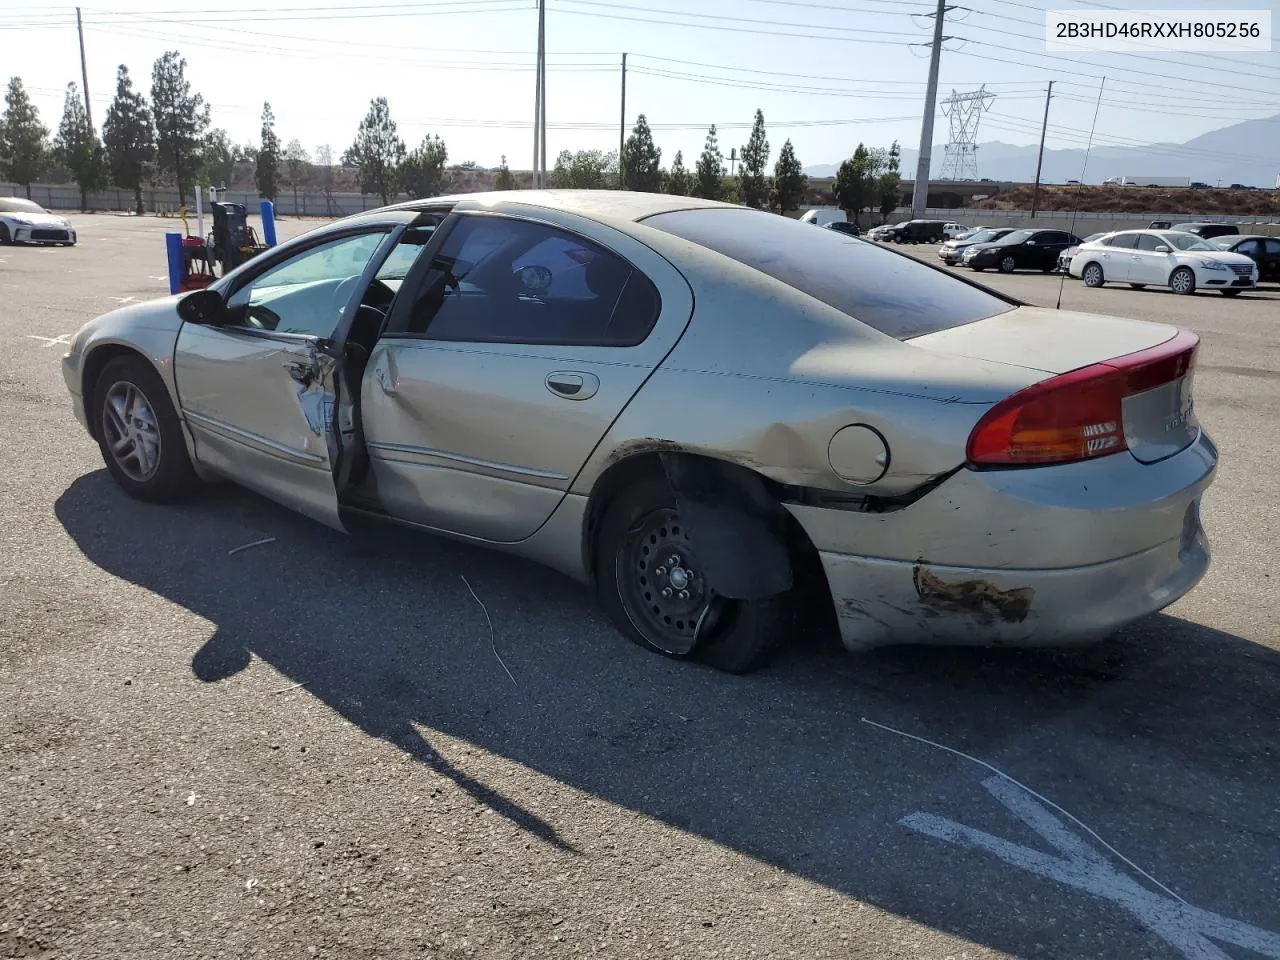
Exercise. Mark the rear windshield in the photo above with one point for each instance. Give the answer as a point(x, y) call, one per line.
point(887, 291)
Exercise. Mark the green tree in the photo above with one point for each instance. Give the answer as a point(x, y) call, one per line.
point(181, 120)
point(677, 181)
point(641, 163)
point(753, 185)
point(77, 147)
point(422, 170)
point(217, 159)
point(504, 180)
point(584, 170)
point(266, 171)
point(297, 167)
point(377, 151)
point(889, 186)
point(709, 172)
point(23, 154)
point(788, 179)
point(129, 138)
point(855, 183)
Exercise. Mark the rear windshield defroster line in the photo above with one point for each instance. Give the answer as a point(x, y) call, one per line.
point(892, 293)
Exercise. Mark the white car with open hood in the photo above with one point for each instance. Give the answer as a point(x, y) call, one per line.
point(1166, 258)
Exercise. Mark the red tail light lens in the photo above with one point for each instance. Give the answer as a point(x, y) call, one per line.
point(1077, 415)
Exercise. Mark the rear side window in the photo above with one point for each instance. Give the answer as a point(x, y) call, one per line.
point(1127, 240)
point(892, 293)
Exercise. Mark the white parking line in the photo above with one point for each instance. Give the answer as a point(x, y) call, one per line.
point(124, 300)
point(1184, 927)
point(50, 341)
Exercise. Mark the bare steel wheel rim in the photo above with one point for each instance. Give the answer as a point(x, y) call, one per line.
point(1181, 282)
point(131, 431)
point(661, 584)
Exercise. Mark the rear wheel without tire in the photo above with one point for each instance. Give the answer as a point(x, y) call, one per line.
point(1093, 275)
point(650, 581)
point(138, 431)
point(1183, 281)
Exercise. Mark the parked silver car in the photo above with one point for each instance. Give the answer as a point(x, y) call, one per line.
point(711, 414)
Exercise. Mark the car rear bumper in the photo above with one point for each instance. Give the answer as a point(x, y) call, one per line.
point(1048, 555)
point(882, 602)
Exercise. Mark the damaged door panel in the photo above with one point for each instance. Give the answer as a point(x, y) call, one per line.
point(737, 528)
point(262, 388)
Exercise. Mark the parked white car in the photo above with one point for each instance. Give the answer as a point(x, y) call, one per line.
point(1165, 258)
point(953, 230)
point(22, 221)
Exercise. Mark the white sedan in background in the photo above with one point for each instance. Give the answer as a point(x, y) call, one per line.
point(1166, 258)
point(22, 221)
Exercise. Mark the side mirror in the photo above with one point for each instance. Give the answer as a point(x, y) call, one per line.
point(1161, 248)
point(203, 307)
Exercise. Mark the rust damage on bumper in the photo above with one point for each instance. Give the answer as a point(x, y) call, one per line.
point(977, 597)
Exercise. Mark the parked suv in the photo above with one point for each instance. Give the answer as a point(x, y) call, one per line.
point(921, 231)
point(1207, 230)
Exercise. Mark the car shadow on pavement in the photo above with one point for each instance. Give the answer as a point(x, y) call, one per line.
point(1163, 739)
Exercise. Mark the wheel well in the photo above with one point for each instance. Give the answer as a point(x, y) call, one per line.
point(93, 366)
point(806, 564)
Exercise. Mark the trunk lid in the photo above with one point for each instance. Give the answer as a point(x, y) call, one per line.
point(1154, 361)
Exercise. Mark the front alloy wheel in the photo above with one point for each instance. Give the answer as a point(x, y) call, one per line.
point(1183, 281)
point(131, 431)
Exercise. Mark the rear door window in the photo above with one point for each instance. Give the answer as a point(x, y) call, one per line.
point(890, 292)
point(1128, 241)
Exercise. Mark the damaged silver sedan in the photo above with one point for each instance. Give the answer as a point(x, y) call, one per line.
point(714, 416)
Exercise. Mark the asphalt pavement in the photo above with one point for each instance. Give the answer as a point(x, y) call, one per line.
point(309, 748)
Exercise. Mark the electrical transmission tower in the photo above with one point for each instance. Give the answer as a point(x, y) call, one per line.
point(964, 110)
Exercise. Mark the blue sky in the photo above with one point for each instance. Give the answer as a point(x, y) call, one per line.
point(827, 73)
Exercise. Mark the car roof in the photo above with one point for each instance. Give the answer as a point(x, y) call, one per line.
point(606, 206)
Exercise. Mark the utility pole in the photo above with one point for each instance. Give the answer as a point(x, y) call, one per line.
point(537, 99)
point(542, 85)
point(622, 124)
point(920, 191)
point(1035, 191)
point(84, 73)
point(733, 162)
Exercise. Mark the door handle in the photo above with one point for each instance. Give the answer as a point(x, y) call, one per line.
point(573, 385)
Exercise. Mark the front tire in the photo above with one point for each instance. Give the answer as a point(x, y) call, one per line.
point(5, 237)
point(138, 432)
point(648, 579)
point(1093, 276)
point(1183, 281)
point(1008, 265)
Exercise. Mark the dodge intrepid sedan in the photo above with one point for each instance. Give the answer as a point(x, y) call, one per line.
point(714, 416)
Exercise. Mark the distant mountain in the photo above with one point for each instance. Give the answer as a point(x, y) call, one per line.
point(1247, 153)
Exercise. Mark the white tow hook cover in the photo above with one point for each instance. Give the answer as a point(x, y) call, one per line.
point(858, 454)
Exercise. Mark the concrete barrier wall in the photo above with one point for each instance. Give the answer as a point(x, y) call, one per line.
point(63, 196)
point(312, 203)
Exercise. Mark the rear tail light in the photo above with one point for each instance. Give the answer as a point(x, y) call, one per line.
point(1077, 415)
